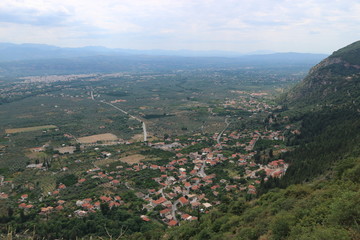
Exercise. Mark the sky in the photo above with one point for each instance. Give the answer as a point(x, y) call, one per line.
point(313, 26)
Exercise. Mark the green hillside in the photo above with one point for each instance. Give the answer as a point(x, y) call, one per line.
point(334, 81)
point(319, 197)
point(350, 53)
point(318, 210)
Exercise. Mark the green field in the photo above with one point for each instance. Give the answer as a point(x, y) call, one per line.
point(29, 129)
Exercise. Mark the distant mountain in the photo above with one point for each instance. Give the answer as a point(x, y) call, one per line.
point(19, 52)
point(15, 52)
point(335, 80)
point(260, 52)
point(38, 59)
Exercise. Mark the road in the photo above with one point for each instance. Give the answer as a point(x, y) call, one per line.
point(161, 191)
point(125, 112)
point(144, 130)
point(174, 209)
point(201, 172)
point(222, 132)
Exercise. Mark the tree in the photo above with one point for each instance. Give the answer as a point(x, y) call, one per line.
point(237, 207)
point(104, 207)
point(281, 225)
point(10, 212)
point(271, 154)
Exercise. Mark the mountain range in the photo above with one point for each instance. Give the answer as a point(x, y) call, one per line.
point(36, 59)
point(27, 51)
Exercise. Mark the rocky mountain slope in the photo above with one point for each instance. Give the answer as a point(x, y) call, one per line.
point(335, 80)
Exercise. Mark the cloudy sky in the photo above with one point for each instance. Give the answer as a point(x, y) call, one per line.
point(319, 26)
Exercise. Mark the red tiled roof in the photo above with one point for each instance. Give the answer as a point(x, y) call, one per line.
point(185, 216)
point(160, 200)
point(46, 209)
point(172, 223)
point(59, 208)
point(145, 218)
point(87, 206)
point(164, 211)
point(22, 205)
point(196, 187)
point(154, 166)
point(114, 204)
point(183, 200)
point(115, 181)
point(187, 184)
point(105, 199)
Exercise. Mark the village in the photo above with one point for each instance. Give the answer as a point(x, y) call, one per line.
point(185, 187)
point(196, 174)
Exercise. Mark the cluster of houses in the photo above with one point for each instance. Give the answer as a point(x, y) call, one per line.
point(248, 102)
point(180, 193)
point(185, 189)
point(183, 179)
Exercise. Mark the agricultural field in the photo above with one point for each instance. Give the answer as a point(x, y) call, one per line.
point(129, 138)
point(105, 137)
point(136, 158)
point(182, 103)
point(132, 159)
point(29, 129)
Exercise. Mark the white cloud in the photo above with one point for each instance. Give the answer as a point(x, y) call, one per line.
point(239, 25)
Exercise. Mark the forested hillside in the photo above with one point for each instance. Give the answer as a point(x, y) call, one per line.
point(333, 82)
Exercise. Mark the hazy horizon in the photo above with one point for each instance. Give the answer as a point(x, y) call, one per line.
point(235, 26)
point(215, 52)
